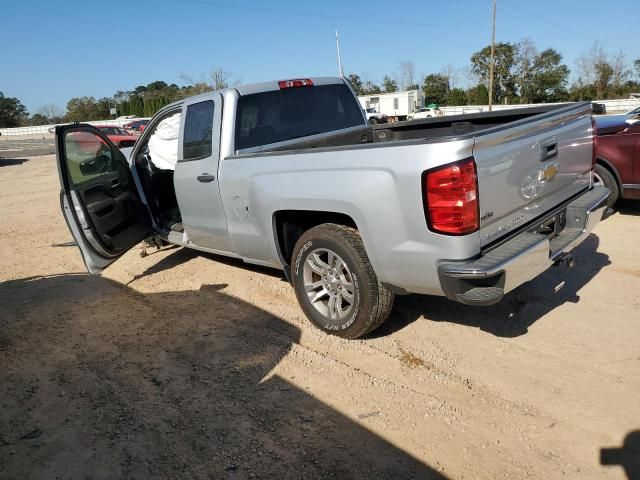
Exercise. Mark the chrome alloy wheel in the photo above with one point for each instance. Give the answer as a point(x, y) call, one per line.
point(328, 284)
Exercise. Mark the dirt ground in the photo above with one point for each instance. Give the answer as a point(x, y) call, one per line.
point(186, 365)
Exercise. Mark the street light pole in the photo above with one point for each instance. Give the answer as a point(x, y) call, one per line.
point(493, 59)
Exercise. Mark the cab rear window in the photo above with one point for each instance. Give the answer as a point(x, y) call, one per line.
point(281, 115)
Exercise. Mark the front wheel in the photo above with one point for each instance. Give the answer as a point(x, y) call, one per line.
point(335, 283)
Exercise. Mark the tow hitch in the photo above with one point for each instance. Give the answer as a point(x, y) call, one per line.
point(565, 260)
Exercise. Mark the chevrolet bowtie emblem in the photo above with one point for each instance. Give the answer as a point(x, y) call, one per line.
point(548, 173)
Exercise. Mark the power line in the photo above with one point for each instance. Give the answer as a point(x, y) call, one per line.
point(549, 24)
point(320, 15)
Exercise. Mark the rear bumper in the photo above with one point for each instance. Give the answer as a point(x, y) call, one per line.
point(485, 280)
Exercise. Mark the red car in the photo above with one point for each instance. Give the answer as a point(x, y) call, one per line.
point(118, 135)
point(617, 150)
point(137, 125)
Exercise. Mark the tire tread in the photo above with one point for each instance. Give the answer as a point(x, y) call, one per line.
point(382, 307)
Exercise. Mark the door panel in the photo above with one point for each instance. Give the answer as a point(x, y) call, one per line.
point(196, 177)
point(99, 198)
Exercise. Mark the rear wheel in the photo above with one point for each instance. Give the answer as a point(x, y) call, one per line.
point(335, 283)
point(602, 176)
point(373, 121)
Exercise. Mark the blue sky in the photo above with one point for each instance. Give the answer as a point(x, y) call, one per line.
point(53, 50)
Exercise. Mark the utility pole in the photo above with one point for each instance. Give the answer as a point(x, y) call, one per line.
point(340, 71)
point(493, 59)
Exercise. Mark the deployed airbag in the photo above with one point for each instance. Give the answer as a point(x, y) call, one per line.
point(163, 144)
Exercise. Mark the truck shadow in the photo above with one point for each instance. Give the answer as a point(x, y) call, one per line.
point(518, 310)
point(183, 255)
point(628, 207)
point(8, 162)
point(100, 381)
point(627, 456)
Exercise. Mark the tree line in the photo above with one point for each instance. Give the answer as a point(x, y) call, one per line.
point(141, 101)
point(522, 74)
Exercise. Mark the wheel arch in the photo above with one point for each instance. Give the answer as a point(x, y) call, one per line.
point(289, 225)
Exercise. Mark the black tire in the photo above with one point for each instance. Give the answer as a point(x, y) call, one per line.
point(372, 301)
point(373, 121)
point(609, 181)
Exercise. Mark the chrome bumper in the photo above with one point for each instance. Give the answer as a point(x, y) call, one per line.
point(485, 280)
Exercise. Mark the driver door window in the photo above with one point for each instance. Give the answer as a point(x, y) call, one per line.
point(88, 157)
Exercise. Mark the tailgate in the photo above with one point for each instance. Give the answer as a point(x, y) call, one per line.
point(528, 167)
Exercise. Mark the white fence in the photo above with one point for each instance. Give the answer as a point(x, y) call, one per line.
point(44, 129)
point(613, 106)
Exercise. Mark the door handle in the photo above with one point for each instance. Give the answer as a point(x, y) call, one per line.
point(206, 178)
point(548, 148)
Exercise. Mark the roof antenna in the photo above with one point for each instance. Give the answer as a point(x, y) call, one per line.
point(340, 70)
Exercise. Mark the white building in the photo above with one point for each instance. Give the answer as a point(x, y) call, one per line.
point(396, 104)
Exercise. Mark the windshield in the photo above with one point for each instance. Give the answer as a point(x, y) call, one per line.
point(280, 115)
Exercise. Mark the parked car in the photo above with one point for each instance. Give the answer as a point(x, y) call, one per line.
point(118, 135)
point(425, 112)
point(634, 112)
point(617, 150)
point(287, 174)
point(374, 117)
point(137, 125)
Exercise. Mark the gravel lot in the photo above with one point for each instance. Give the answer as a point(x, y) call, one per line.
point(26, 145)
point(186, 365)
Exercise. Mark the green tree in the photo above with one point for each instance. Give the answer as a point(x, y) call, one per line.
point(549, 78)
point(157, 85)
point(389, 85)
point(370, 88)
point(81, 109)
point(504, 81)
point(136, 106)
point(580, 91)
point(436, 88)
point(478, 95)
point(356, 83)
point(103, 106)
point(38, 119)
point(139, 90)
point(12, 112)
point(123, 108)
point(457, 96)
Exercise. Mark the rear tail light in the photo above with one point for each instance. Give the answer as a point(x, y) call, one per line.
point(594, 133)
point(298, 82)
point(450, 195)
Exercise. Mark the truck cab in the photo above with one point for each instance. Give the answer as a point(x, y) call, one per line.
point(114, 199)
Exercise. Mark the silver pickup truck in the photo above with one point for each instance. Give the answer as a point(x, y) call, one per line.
point(287, 174)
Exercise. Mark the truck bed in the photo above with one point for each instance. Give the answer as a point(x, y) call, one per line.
point(448, 128)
